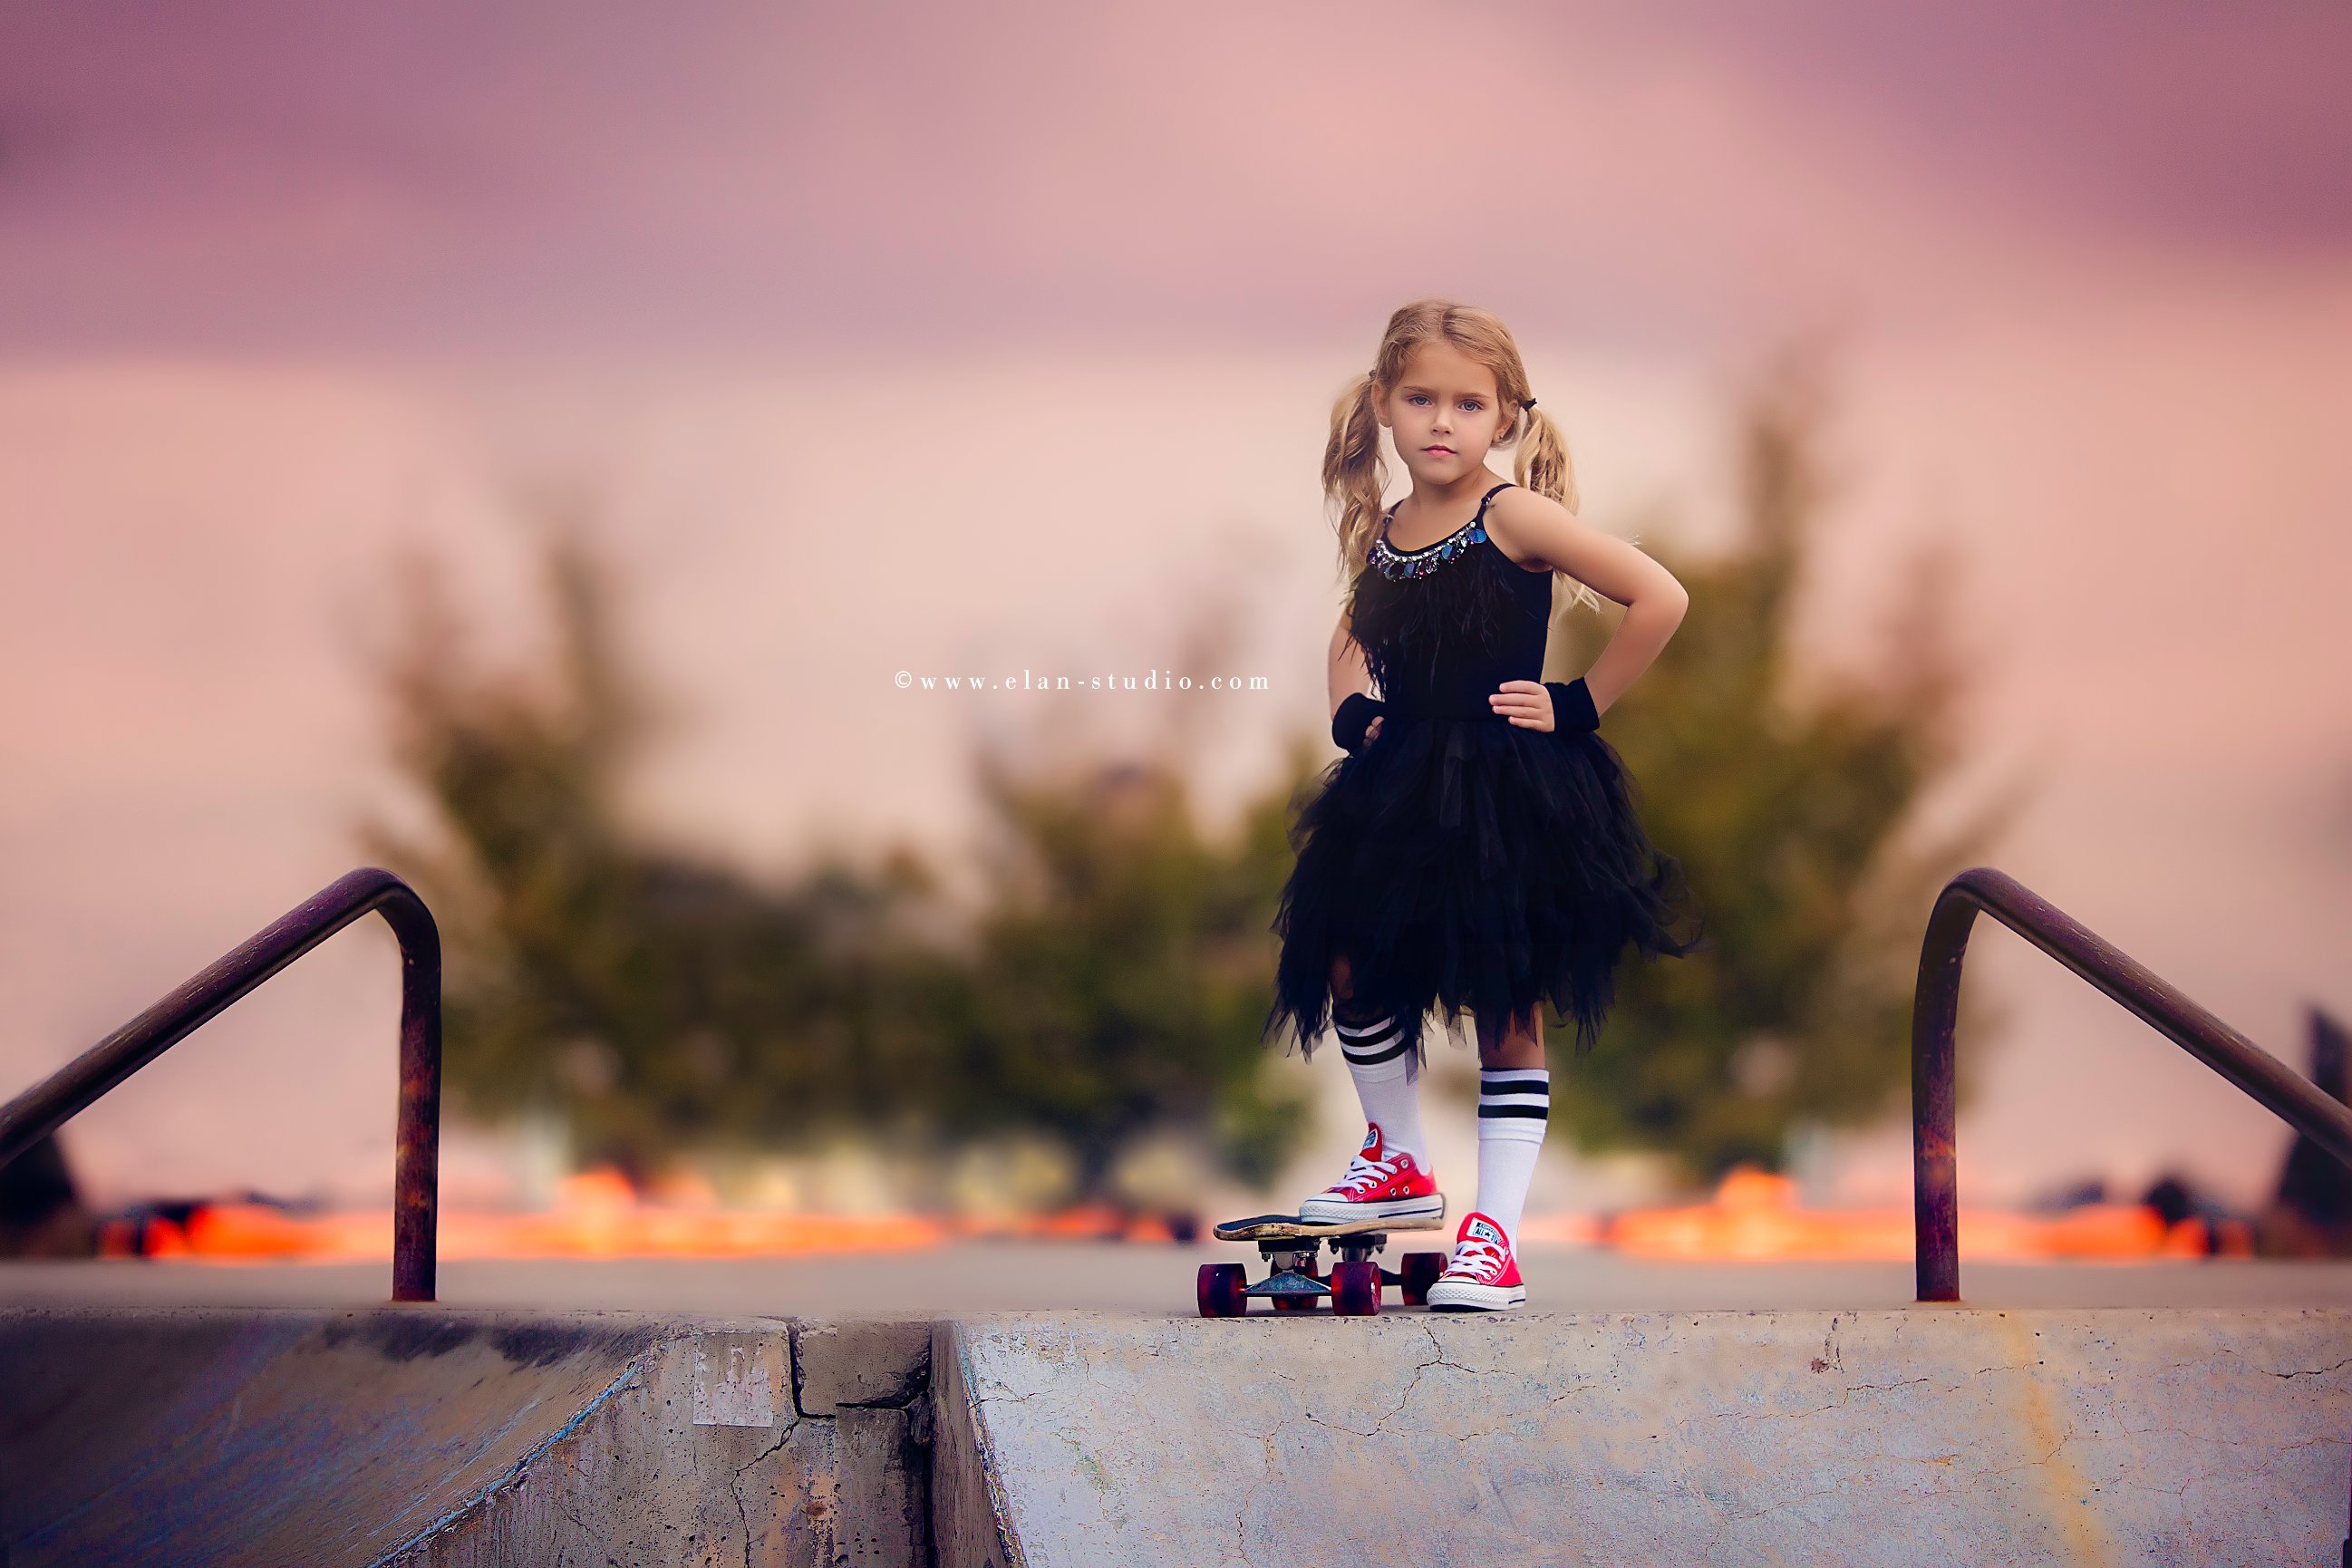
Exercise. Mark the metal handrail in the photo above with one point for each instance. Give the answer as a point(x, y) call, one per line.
point(416, 1185)
point(1935, 1010)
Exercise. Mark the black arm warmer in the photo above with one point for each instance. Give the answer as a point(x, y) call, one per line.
point(1356, 714)
point(1572, 712)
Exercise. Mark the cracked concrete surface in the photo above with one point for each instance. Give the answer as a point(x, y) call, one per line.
point(420, 1436)
point(1924, 1435)
point(810, 1423)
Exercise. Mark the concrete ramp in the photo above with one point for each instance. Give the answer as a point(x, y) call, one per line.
point(1934, 1434)
point(419, 1435)
point(414, 1434)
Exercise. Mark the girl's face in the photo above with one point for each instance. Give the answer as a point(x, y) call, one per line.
point(1442, 412)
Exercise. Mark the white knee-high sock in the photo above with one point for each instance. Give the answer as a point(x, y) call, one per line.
point(1383, 1071)
point(1513, 1109)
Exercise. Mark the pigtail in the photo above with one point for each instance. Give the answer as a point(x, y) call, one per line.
point(1355, 476)
point(1543, 466)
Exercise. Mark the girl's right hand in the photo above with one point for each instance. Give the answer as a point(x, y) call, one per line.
point(1356, 721)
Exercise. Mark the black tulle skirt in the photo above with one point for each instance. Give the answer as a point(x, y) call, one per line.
point(1465, 865)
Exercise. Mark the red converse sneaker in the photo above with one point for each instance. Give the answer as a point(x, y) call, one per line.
point(1483, 1276)
point(1381, 1183)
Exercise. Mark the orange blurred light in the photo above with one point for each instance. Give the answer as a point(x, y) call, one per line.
point(1755, 1215)
point(597, 1214)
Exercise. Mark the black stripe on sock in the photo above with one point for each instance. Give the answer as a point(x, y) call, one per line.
point(1374, 1058)
point(1538, 1112)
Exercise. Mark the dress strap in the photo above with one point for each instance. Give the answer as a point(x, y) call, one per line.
point(1489, 496)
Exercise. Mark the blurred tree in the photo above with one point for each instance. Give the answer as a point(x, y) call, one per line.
point(1792, 810)
point(1121, 971)
point(653, 1001)
point(1110, 981)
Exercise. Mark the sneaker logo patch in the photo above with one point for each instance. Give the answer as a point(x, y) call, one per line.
point(1480, 1229)
point(1371, 1138)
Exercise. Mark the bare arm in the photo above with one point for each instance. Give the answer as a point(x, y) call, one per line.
point(1527, 526)
point(1346, 672)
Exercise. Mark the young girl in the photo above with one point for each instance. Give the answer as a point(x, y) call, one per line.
point(1477, 847)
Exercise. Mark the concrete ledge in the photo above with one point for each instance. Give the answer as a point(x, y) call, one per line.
point(971, 1525)
point(859, 1365)
point(1916, 1436)
point(420, 1435)
point(694, 1455)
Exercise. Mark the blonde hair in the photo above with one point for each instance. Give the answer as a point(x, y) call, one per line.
point(1355, 475)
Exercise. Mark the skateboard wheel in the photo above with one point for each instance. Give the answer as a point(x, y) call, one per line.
point(1356, 1290)
point(1420, 1272)
point(1220, 1288)
point(1295, 1303)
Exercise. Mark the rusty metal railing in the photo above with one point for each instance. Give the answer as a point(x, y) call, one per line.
point(1935, 1008)
point(25, 1120)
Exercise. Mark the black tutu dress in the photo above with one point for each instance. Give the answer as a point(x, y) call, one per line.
point(1457, 860)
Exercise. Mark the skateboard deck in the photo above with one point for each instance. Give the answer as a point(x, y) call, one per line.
point(1284, 1227)
point(1293, 1247)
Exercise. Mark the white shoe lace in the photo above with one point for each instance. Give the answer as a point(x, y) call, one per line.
point(1364, 1174)
point(1475, 1258)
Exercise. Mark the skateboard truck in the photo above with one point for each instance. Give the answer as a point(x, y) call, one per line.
point(1291, 1273)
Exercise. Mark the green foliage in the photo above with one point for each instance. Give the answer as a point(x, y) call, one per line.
point(1121, 971)
point(1793, 812)
point(1111, 982)
point(656, 1001)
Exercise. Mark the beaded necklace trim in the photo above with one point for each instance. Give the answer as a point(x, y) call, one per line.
point(1398, 565)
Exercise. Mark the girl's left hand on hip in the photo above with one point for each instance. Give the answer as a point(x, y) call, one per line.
point(1525, 702)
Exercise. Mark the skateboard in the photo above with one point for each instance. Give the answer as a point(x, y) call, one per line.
point(1292, 1248)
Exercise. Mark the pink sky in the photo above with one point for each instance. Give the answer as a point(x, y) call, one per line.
point(281, 287)
point(457, 177)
